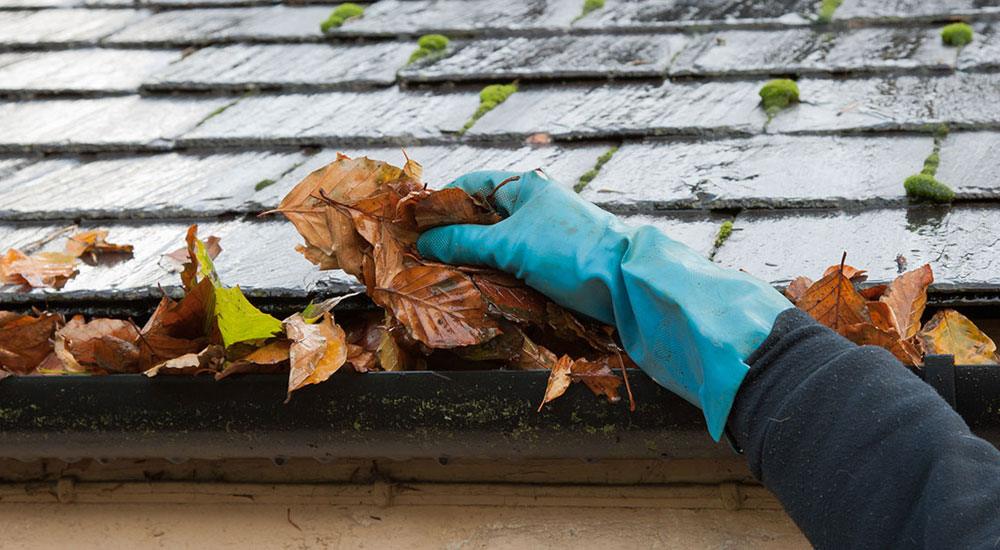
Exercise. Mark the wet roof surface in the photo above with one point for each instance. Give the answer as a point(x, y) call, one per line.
point(143, 116)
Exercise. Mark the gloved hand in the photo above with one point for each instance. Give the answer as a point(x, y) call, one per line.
point(687, 322)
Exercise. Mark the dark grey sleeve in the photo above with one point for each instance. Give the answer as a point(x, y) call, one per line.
point(860, 451)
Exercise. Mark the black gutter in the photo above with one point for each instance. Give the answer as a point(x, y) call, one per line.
point(455, 414)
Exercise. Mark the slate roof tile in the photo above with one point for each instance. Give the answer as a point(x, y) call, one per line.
point(68, 71)
point(63, 26)
point(316, 67)
point(670, 14)
point(128, 122)
point(896, 10)
point(221, 25)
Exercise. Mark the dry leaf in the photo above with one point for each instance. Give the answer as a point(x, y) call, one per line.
point(317, 351)
point(534, 357)
point(451, 206)
point(950, 332)
point(94, 242)
point(865, 334)
point(511, 298)
point(106, 344)
point(854, 274)
point(598, 376)
point(797, 288)
point(559, 380)
point(268, 359)
point(907, 296)
point(191, 364)
point(834, 302)
point(41, 270)
point(882, 316)
point(25, 341)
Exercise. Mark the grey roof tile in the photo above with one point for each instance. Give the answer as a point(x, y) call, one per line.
point(764, 171)
point(86, 70)
point(959, 242)
point(983, 53)
point(208, 26)
point(12, 165)
point(285, 66)
point(618, 110)
point(598, 56)
point(695, 229)
point(894, 10)
point(128, 122)
point(442, 164)
point(806, 51)
point(415, 17)
point(149, 186)
point(337, 117)
point(970, 164)
point(281, 271)
point(674, 14)
point(63, 26)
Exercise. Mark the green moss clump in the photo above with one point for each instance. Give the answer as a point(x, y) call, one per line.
point(725, 230)
point(778, 94)
point(489, 98)
point(340, 15)
point(956, 34)
point(589, 6)
point(931, 164)
point(263, 184)
point(429, 45)
point(589, 175)
point(826, 10)
point(927, 188)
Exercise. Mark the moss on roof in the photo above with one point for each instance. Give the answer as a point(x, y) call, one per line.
point(340, 15)
point(777, 94)
point(956, 34)
point(429, 45)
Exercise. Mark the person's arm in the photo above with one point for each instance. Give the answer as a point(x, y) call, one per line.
point(861, 452)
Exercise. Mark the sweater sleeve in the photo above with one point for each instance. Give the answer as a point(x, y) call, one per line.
point(860, 451)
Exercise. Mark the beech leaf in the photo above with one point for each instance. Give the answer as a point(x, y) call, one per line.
point(191, 364)
point(317, 351)
point(559, 380)
point(25, 341)
point(907, 296)
point(950, 332)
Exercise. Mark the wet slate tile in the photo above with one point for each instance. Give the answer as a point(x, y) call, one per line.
point(218, 25)
point(764, 171)
point(12, 165)
point(280, 271)
point(599, 56)
point(86, 70)
point(128, 122)
point(695, 229)
point(63, 26)
point(337, 117)
point(805, 51)
point(983, 53)
point(908, 102)
point(315, 66)
point(627, 110)
point(146, 186)
point(959, 243)
point(672, 14)
point(894, 10)
point(970, 164)
point(443, 164)
point(416, 17)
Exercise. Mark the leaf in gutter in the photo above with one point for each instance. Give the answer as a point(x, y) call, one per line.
point(25, 340)
point(865, 334)
point(797, 288)
point(534, 356)
point(268, 359)
point(317, 351)
point(40, 270)
point(834, 302)
point(559, 380)
point(950, 332)
point(882, 316)
point(907, 296)
point(873, 293)
point(598, 376)
point(854, 274)
point(191, 364)
point(108, 345)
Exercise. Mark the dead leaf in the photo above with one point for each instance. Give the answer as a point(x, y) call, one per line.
point(834, 302)
point(882, 316)
point(865, 334)
point(40, 270)
point(511, 298)
point(874, 292)
point(534, 357)
point(268, 359)
point(94, 242)
point(191, 364)
point(949, 332)
point(907, 296)
point(797, 288)
point(25, 341)
point(598, 376)
point(182, 257)
point(317, 351)
point(854, 274)
point(106, 344)
point(452, 206)
point(559, 380)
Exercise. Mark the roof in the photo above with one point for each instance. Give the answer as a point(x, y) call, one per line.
point(145, 115)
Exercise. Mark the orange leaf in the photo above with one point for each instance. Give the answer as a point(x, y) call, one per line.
point(864, 334)
point(854, 274)
point(451, 206)
point(797, 288)
point(882, 316)
point(104, 344)
point(44, 269)
point(317, 351)
point(559, 380)
point(598, 376)
point(191, 364)
point(834, 302)
point(26, 341)
point(511, 297)
point(907, 296)
point(94, 242)
point(874, 292)
point(950, 332)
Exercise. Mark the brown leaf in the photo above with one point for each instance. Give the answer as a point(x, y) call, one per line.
point(391, 356)
point(40, 270)
point(873, 293)
point(559, 380)
point(907, 296)
point(25, 341)
point(534, 357)
point(191, 364)
point(598, 376)
point(268, 359)
point(317, 351)
point(360, 359)
point(176, 328)
point(950, 332)
point(834, 302)
point(440, 307)
point(94, 242)
point(882, 316)
point(854, 274)
point(184, 257)
point(511, 298)
point(107, 344)
point(570, 328)
point(865, 334)
point(451, 206)
point(797, 288)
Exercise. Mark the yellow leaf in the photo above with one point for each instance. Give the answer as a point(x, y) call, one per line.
point(950, 332)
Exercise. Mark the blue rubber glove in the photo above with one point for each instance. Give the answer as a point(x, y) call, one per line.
point(687, 322)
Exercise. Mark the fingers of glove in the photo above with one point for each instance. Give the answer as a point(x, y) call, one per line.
point(484, 184)
point(459, 244)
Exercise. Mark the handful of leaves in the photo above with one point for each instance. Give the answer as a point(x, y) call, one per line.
point(890, 315)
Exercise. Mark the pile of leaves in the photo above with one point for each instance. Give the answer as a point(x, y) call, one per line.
point(364, 216)
point(890, 315)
